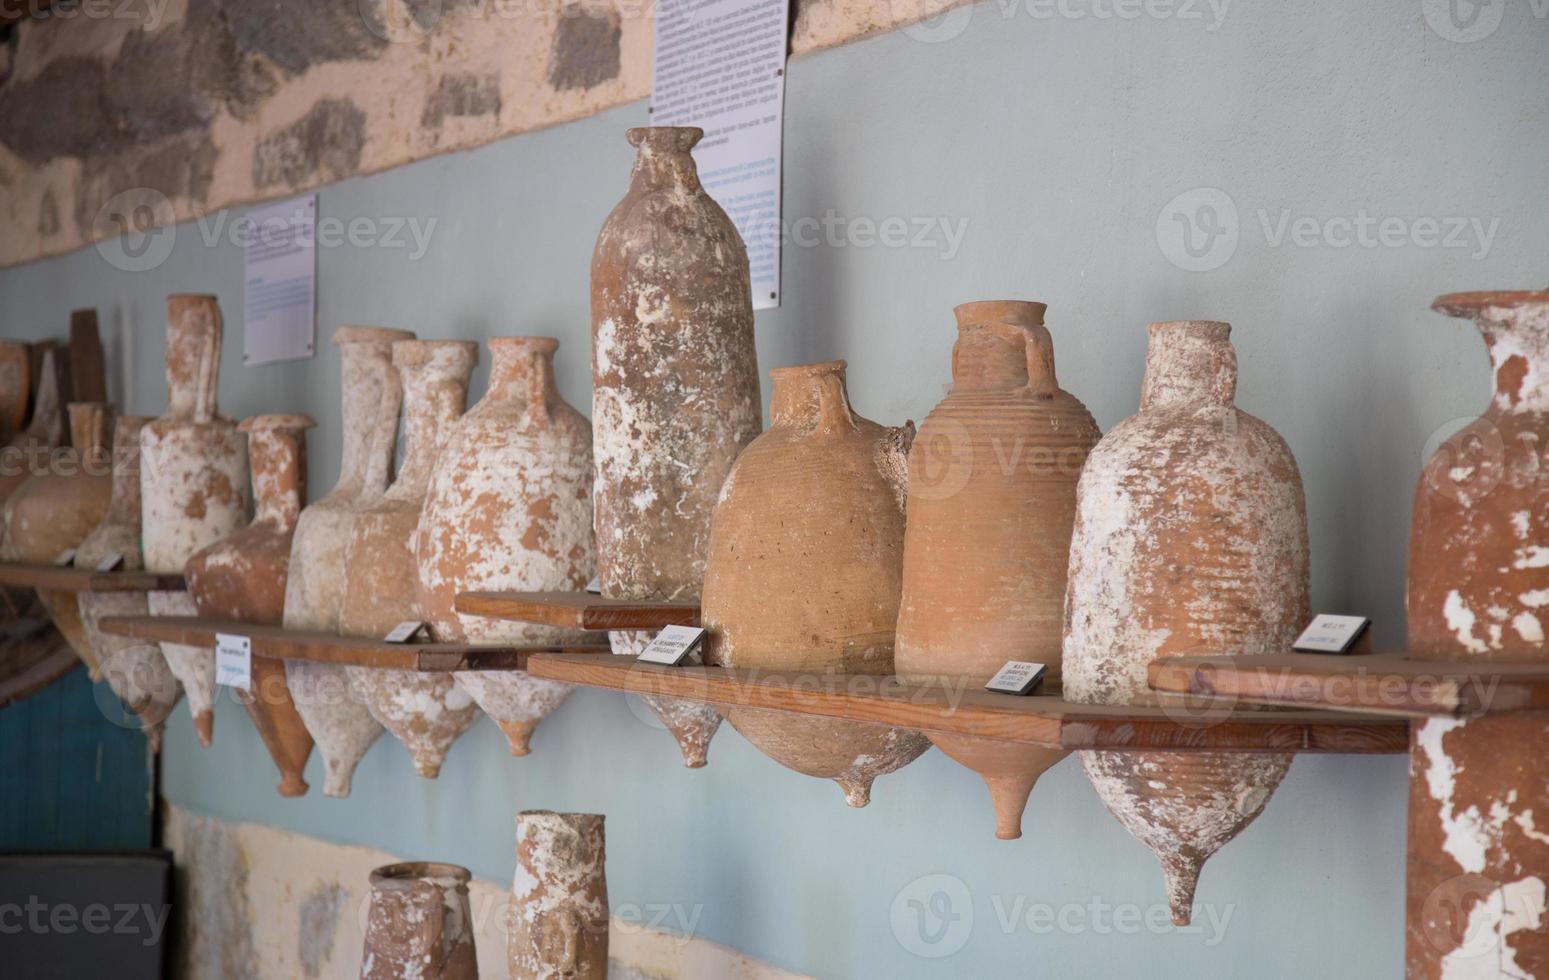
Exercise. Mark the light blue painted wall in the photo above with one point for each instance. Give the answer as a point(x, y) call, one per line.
point(1058, 141)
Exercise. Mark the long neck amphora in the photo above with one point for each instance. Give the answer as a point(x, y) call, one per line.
point(193, 355)
point(435, 389)
point(372, 397)
point(1003, 344)
point(1190, 365)
point(91, 437)
point(277, 453)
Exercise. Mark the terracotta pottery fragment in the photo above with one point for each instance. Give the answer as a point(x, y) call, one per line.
point(193, 483)
point(242, 577)
point(135, 669)
point(1190, 540)
point(559, 908)
point(675, 389)
point(806, 560)
point(1478, 588)
point(339, 723)
point(510, 507)
point(419, 924)
point(992, 498)
point(381, 586)
point(15, 388)
point(28, 451)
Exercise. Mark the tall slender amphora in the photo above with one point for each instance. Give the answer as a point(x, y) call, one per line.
point(337, 720)
point(510, 508)
point(1479, 593)
point(193, 483)
point(675, 392)
point(992, 497)
point(1190, 540)
point(559, 898)
point(419, 924)
point(381, 587)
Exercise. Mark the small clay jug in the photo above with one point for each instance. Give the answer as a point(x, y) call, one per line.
point(559, 907)
point(1190, 540)
point(419, 924)
point(338, 722)
point(510, 508)
point(381, 587)
point(193, 483)
point(15, 387)
point(806, 561)
point(134, 668)
point(28, 451)
point(675, 390)
point(242, 577)
point(992, 498)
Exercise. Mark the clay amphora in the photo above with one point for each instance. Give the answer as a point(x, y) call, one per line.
point(992, 497)
point(193, 483)
point(242, 577)
point(559, 907)
point(27, 452)
point(15, 387)
point(510, 507)
point(806, 559)
point(381, 586)
point(675, 389)
point(338, 722)
point(57, 508)
point(419, 924)
point(134, 668)
point(1190, 540)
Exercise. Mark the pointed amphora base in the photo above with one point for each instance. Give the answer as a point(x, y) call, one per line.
point(1009, 771)
point(850, 753)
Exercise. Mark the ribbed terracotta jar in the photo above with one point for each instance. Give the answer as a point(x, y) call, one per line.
point(419, 924)
point(338, 721)
point(56, 509)
point(242, 577)
point(510, 508)
point(805, 570)
point(559, 898)
point(193, 483)
point(381, 580)
point(992, 498)
point(1190, 540)
point(675, 393)
point(134, 668)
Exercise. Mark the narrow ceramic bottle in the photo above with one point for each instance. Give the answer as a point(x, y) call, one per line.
point(193, 483)
point(675, 392)
point(992, 498)
point(242, 577)
point(510, 508)
point(1190, 540)
point(559, 898)
point(340, 725)
point(419, 924)
point(806, 560)
point(381, 587)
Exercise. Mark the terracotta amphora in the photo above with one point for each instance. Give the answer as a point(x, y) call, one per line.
point(133, 668)
point(381, 585)
point(806, 561)
point(992, 498)
point(675, 394)
point(1190, 540)
point(15, 387)
point(28, 451)
point(419, 924)
point(193, 483)
point(56, 509)
point(559, 906)
point(242, 577)
point(337, 720)
point(510, 508)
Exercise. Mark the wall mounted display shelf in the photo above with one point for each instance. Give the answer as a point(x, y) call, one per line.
point(66, 578)
point(578, 610)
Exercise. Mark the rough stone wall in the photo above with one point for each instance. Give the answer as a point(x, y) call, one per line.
point(138, 113)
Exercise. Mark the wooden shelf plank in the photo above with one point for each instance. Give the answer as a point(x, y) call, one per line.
point(66, 578)
point(1383, 684)
point(284, 644)
point(578, 610)
point(1043, 720)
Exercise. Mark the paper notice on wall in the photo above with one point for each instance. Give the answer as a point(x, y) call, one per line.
point(279, 294)
point(720, 65)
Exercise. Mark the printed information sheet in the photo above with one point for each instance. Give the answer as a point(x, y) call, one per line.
point(279, 294)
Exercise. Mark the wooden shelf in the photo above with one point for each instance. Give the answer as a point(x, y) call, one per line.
point(66, 578)
point(1043, 720)
point(1379, 684)
point(578, 610)
point(284, 644)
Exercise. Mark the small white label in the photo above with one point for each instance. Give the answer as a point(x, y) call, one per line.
point(234, 661)
point(405, 631)
point(1016, 677)
point(672, 645)
point(594, 586)
point(109, 563)
point(1331, 634)
point(65, 557)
